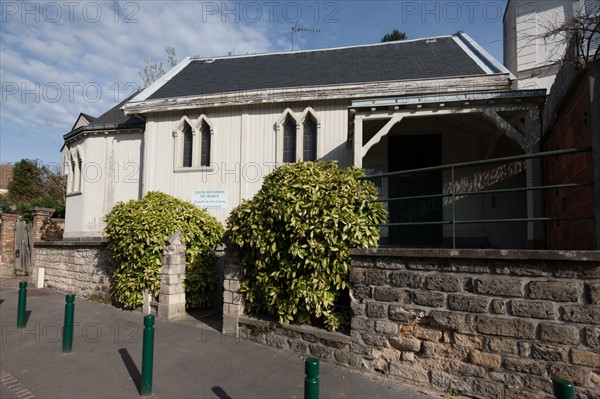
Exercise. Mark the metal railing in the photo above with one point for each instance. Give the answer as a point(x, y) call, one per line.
point(453, 194)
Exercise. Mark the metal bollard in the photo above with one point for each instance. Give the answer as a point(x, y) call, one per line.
point(563, 389)
point(68, 326)
point(311, 382)
point(147, 356)
point(22, 304)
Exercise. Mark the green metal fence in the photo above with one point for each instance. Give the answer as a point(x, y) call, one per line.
point(453, 194)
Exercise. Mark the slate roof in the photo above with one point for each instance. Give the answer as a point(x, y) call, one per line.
point(113, 119)
point(439, 57)
point(89, 117)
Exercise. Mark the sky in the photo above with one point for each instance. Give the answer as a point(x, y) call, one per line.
point(60, 58)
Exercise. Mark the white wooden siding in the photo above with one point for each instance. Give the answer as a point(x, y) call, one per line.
point(244, 146)
point(110, 173)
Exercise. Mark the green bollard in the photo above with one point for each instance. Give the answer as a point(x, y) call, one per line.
point(147, 355)
point(563, 389)
point(22, 304)
point(68, 326)
point(311, 382)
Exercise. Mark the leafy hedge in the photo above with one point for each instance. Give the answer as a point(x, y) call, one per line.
point(137, 230)
point(295, 237)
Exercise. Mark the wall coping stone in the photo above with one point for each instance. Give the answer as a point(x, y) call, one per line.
point(42, 210)
point(70, 244)
point(512, 254)
point(272, 324)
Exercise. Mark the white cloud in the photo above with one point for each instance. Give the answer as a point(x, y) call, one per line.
point(69, 52)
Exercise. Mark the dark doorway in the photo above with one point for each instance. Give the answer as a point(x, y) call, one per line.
point(414, 152)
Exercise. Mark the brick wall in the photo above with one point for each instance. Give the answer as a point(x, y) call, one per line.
point(493, 324)
point(82, 268)
point(7, 244)
point(569, 128)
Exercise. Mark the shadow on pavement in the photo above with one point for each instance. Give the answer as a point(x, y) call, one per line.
point(211, 317)
point(220, 392)
point(134, 373)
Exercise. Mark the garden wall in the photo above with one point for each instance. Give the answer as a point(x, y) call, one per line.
point(492, 324)
point(79, 267)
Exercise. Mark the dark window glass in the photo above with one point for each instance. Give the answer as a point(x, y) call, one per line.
point(205, 151)
point(310, 140)
point(187, 146)
point(289, 141)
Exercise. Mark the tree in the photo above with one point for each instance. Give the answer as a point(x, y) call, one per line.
point(153, 71)
point(584, 30)
point(295, 237)
point(394, 36)
point(136, 231)
point(35, 184)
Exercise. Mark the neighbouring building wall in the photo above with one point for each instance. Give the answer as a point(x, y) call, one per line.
point(80, 268)
point(8, 224)
point(110, 172)
point(244, 148)
point(531, 58)
point(492, 324)
point(567, 125)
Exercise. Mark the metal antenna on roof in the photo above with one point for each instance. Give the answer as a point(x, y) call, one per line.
point(301, 29)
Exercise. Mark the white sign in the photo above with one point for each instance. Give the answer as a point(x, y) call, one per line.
point(210, 199)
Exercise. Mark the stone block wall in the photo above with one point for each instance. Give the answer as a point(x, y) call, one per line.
point(171, 300)
point(492, 324)
point(82, 268)
point(302, 339)
point(233, 305)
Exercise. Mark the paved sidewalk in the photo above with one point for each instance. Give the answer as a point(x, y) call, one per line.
point(191, 359)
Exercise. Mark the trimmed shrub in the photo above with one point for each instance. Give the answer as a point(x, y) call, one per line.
point(295, 237)
point(137, 231)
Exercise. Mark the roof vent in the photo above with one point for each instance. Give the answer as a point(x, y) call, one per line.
point(431, 40)
point(209, 61)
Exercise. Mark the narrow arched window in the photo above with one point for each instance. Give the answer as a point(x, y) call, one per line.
point(187, 146)
point(309, 141)
point(205, 149)
point(289, 141)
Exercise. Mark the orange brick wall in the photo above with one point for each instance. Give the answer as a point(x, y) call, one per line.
point(570, 131)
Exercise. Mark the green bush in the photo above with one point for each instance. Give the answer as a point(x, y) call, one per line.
point(137, 230)
point(295, 237)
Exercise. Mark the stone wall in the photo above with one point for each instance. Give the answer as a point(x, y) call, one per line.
point(82, 268)
point(492, 324)
point(233, 305)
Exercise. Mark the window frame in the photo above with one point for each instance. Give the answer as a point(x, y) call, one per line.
point(300, 120)
point(198, 126)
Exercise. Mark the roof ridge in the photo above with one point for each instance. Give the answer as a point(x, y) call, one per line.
point(396, 42)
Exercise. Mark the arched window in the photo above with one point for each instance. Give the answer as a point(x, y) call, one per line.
point(205, 146)
point(309, 140)
point(187, 146)
point(289, 141)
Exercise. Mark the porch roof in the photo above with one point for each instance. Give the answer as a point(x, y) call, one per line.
point(453, 99)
